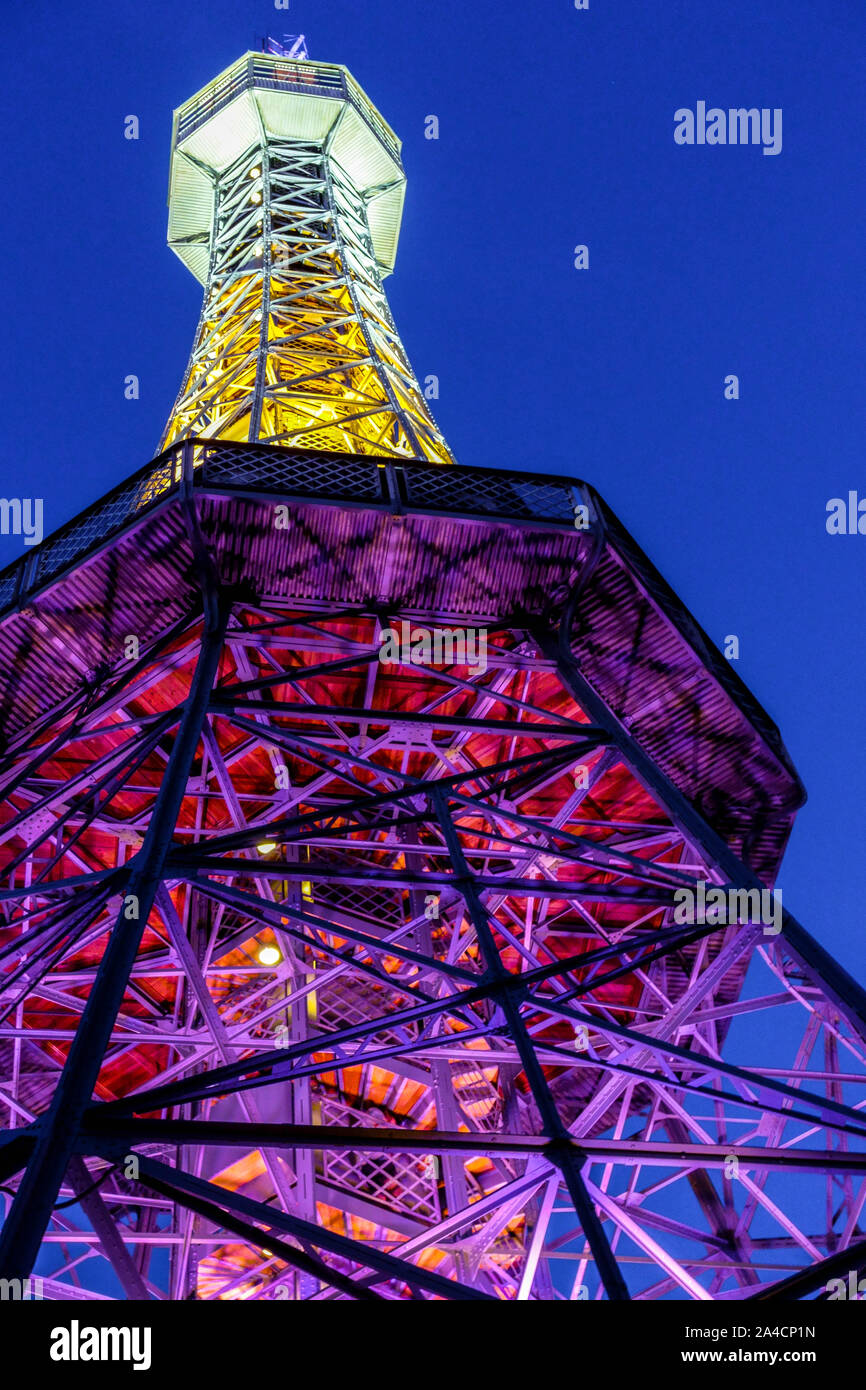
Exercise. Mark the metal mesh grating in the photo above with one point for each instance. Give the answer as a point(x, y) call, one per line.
point(284, 470)
point(481, 490)
point(76, 539)
point(381, 905)
point(347, 478)
point(347, 1000)
point(478, 1096)
point(8, 581)
point(402, 1182)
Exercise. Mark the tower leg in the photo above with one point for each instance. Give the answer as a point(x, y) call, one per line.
point(845, 992)
point(58, 1130)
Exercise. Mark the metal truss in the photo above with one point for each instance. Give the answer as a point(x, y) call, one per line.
point(329, 972)
point(296, 343)
point(482, 1059)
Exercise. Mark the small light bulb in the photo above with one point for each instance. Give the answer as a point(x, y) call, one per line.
point(269, 955)
point(266, 847)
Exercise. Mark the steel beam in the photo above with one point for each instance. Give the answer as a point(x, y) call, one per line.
point(31, 1209)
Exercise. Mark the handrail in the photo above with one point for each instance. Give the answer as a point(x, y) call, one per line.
point(160, 478)
point(280, 74)
point(395, 485)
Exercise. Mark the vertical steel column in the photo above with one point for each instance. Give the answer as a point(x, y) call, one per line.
point(563, 1153)
point(255, 428)
point(57, 1131)
point(446, 1109)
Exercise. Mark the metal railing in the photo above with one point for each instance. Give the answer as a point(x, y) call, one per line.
point(365, 107)
point(356, 480)
point(281, 74)
point(361, 481)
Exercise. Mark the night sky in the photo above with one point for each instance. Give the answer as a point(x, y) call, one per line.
point(556, 129)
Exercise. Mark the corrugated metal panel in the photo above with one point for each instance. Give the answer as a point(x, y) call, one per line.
point(226, 135)
point(384, 215)
point(291, 116)
point(190, 213)
point(191, 199)
point(372, 114)
point(196, 259)
point(429, 564)
point(360, 153)
point(140, 586)
point(216, 84)
point(671, 703)
point(287, 115)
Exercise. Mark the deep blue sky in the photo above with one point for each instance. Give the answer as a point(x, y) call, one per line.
point(556, 128)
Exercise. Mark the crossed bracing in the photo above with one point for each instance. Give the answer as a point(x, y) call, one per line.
point(449, 900)
point(296, 343)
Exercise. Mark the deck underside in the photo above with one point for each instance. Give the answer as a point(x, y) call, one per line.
point(478, 999)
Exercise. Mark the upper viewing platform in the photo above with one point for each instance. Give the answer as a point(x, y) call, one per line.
point(285, 200)
point(270, 95)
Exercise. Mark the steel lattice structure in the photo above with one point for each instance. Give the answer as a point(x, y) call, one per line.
point(329, 976)
point(286, 193)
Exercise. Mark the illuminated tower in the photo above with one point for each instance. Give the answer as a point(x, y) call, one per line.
point(286, 196)
point(350, 810)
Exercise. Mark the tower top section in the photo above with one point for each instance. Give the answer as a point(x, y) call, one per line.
point(264, 96)
point(285, 201)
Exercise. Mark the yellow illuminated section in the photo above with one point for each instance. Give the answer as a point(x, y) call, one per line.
point(296, 345)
